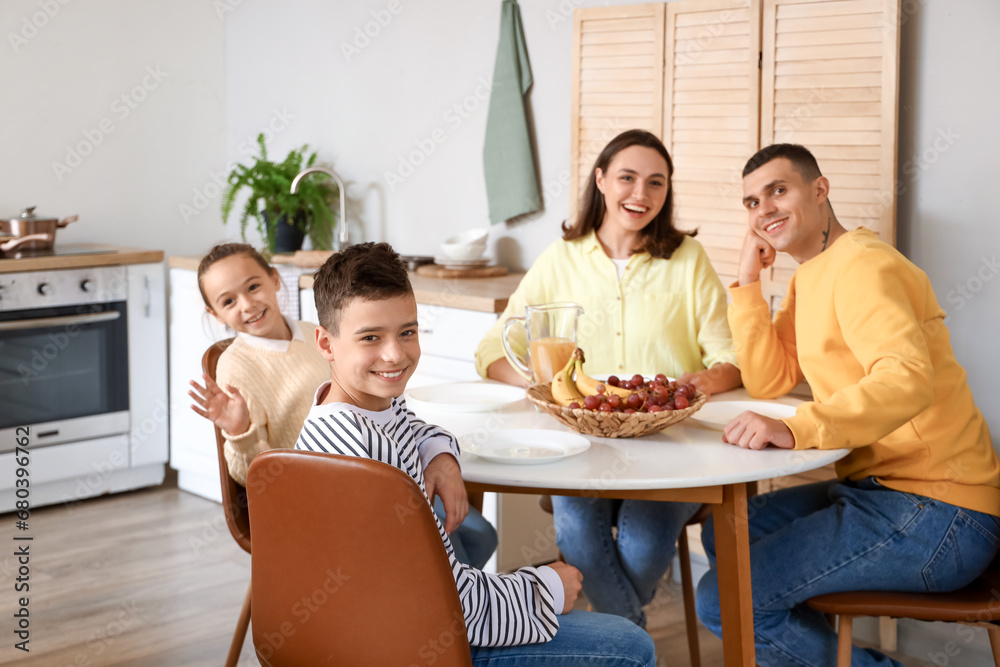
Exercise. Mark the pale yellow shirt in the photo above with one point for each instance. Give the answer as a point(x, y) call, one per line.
point(664, 316)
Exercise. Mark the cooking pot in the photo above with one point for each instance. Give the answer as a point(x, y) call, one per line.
point(41, 230)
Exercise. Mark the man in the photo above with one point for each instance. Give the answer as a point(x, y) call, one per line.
point(916, 501)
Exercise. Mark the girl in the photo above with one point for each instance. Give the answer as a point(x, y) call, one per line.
point(652, 304)
point(270, 374)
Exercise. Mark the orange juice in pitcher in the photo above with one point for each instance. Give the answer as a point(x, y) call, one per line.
point(547, 356)
point(550, 332)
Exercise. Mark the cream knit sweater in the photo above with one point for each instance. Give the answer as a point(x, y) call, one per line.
point(278, 388)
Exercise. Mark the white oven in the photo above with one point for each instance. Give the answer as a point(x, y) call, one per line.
point(64, 356)
point(83, 366)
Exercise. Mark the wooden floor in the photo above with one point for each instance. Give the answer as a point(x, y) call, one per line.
point(152, 578)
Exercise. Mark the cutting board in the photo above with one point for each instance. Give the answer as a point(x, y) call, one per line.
point(436, 271)
point(307, 259)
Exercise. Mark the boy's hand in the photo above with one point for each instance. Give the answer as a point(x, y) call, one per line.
point(753, 431)
point(572, 581)
point(229, 413)
point(443, 477)
point(757, 255)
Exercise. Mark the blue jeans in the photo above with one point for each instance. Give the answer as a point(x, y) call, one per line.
point(619, 577)
point(474, 541)
point(844, 536)
point(584, 639)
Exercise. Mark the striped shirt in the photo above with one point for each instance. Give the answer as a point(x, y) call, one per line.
point(499, 609)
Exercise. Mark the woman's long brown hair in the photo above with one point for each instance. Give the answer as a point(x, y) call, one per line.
point(659, 238)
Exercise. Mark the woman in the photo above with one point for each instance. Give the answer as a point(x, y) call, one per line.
point(652, 304)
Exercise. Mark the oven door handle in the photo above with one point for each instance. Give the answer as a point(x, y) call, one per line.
point(65, 320)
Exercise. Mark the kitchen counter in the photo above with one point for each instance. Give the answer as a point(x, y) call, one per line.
point(484, 295)
point(109, 256)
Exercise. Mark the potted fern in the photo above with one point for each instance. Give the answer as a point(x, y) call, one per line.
point(282, 218)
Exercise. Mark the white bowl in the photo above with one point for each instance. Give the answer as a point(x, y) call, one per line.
point(468, 245)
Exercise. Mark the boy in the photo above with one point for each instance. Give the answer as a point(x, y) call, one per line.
point(916, 503)
point(368, 333)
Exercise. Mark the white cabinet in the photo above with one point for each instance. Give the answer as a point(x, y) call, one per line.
point(192, 438)
point(147, 335)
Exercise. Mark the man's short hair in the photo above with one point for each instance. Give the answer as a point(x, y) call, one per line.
point(800, 157)
point(368, 271)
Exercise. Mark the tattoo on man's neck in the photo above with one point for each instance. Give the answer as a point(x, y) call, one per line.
point(826, 234)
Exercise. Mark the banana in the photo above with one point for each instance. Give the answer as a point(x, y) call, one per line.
point(564, 390)
point(588, 385)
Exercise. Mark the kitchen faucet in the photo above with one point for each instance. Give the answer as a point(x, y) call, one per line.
point(342, 236)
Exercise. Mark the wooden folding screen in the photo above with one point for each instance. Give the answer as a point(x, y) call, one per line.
point(718, 79)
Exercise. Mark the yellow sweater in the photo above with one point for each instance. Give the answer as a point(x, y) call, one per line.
point(664, 316)
point(278, 387)
point(862, 325)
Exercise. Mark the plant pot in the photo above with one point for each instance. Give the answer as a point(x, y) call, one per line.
point(287, 237)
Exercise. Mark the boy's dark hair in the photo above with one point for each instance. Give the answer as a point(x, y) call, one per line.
point(659, 238)
point(369, 271)
point(224, 250)
point(800, 157)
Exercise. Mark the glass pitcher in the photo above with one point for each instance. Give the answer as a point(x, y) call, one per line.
point(549, 338)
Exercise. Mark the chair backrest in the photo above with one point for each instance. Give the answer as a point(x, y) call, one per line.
point(234, 497)
point(348, 567)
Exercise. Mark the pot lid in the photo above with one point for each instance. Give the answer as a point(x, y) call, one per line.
point(28, 214)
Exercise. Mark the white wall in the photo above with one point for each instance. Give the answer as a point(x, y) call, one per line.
point(948, 221)
point(369, 103)
point(65, 67)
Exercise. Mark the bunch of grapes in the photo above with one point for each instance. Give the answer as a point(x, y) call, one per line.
point(657, 395)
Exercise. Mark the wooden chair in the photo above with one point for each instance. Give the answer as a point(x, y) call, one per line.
point(687, 582)
point(341, 580)
point(977, 605)
point(234, 504)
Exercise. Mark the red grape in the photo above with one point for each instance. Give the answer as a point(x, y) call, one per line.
point(614, 400)
point(634, 401)
point(629, 411)
point(655, 408)
point(592, 402)
point(613, 380)
point(600, 388)
point(605, 407)
point(574, 406)
point(661, 378)
point(681, 401)
point(638, 380)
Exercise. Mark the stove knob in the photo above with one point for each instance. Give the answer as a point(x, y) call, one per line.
point(45, 289)
point(87, 285)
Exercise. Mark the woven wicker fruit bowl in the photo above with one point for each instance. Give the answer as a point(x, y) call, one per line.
point(611, 424)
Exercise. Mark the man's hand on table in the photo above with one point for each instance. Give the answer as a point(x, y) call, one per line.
point(753, 431)
point(443, 476)
point(572, 581)
point(715, 380)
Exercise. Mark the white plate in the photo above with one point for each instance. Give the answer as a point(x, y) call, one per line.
point(716, 414)
point(524, 445)
point(464, 396)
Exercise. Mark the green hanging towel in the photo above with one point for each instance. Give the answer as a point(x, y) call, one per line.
point(508, 158)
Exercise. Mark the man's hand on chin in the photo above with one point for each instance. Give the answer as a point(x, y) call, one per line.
point(753, 431)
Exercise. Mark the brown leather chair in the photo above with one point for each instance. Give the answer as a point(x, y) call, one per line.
point(977, 604)
point(687, 583)
point(234, 504)
point(348, 567)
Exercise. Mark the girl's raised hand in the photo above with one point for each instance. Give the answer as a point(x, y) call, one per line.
point(228, 412)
